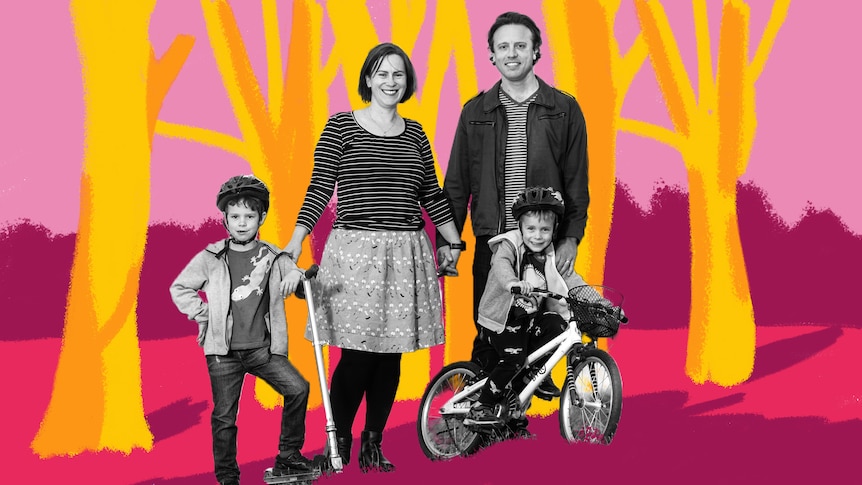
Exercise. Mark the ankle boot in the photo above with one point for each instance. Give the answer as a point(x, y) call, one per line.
point(370, 455)
point(344, 445)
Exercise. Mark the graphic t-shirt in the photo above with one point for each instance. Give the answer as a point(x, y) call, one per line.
point(249, 298)
point(533, 272)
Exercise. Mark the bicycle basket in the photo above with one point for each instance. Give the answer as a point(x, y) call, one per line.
point(596, 309)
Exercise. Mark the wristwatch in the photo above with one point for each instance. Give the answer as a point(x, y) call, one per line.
point(458, 245)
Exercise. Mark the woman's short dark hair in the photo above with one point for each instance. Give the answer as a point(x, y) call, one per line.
point(510, 18)
point(372, 64)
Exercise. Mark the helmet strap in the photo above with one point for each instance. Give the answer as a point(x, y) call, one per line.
point(243, 243)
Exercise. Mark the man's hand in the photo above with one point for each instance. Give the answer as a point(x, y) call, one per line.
point(447, 261)
point(567, 252)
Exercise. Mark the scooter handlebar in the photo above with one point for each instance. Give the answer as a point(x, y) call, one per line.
point(311, 272)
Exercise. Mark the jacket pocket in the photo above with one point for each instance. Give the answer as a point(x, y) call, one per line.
point(482, 123)
point(553, 116)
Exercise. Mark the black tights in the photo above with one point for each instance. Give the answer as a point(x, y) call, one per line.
point(368, 374)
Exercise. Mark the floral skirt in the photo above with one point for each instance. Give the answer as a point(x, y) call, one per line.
point(378, 291)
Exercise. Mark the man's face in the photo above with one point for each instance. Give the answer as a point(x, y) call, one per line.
point(242, 221)
point(513, 52)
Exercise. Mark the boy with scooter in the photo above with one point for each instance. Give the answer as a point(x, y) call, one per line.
point(242, 326)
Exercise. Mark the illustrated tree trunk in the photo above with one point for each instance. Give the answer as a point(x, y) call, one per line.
point(721, 337)
point(278, 135)
point(96, 401)
point(714, 134)
point(588, 64)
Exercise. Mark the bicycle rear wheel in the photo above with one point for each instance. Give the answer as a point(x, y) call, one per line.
point(591, 400)
point(443, 437)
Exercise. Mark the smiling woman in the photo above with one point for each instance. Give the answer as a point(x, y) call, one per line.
point(377, 286)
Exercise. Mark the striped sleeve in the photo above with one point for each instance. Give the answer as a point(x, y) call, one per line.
point(431, 195)
point(327, 155)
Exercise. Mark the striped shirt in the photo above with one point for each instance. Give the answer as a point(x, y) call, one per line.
point(383, 182)
point(516, 150)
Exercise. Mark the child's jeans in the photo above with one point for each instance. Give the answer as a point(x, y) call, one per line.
point(518, 339)
point(227, 373)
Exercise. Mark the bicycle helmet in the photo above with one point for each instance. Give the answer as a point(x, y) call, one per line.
point(538, 198)
point(243, 186)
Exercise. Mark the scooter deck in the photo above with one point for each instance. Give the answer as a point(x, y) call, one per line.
point(297, 479)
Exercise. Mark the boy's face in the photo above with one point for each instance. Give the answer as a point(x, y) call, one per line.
point(537, 231)
point(242, 221)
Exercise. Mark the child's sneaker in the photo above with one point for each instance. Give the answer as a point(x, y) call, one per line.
point(482, 415)
point(293, 464)
point(547, 390)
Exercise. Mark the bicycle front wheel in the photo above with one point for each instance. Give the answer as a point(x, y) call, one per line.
point(592, 399)
point(443, 437)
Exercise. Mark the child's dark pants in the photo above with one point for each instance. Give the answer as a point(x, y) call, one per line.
point(227, 373)
point(520, 337)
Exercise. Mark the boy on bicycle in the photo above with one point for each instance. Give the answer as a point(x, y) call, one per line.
point(515, 325)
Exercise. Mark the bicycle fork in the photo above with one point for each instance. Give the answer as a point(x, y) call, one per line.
point(575, 358)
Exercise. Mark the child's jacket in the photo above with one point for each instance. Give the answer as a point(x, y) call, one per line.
point(496, 300)
point(208, 272)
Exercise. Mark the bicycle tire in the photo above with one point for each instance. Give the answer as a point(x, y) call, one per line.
point(442, 438)
point(592, 399)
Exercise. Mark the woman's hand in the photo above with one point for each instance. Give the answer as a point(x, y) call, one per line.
point(447, 257)
point(447, 261)
point(294, 247)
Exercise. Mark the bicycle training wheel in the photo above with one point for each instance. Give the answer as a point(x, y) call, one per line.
point(592, 399)
point(443, 437)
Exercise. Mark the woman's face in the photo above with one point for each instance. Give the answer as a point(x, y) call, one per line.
point(389, 82)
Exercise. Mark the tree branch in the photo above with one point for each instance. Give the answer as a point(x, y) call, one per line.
point(776, 20)
point(652, 131)
point(203, 136)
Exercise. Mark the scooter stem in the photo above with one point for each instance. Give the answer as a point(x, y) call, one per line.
point(332, 443)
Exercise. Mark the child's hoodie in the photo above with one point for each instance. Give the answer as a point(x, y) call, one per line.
point(208, 272)
point(496, 300)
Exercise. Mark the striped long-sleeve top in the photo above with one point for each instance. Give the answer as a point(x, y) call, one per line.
point(383, 182)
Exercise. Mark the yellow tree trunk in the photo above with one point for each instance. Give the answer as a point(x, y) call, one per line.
point(721, 336)
point(588, 63)
point(96, 401)
point(278, 135)
point(714, 135)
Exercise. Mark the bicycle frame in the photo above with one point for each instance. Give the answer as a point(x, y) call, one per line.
point(561, 345)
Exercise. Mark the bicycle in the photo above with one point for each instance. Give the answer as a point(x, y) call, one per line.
point(590, 401)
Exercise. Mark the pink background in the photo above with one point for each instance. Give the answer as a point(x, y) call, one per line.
point(796, 419)
point(804, 152)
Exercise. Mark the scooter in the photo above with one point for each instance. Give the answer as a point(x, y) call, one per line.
point(330, 462)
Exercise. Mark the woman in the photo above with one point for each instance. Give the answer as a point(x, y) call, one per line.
point(377, 291)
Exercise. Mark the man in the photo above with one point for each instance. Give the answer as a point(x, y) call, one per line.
point(520, 133)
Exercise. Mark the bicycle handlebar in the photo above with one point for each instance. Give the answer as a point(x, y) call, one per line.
point(516, 290)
